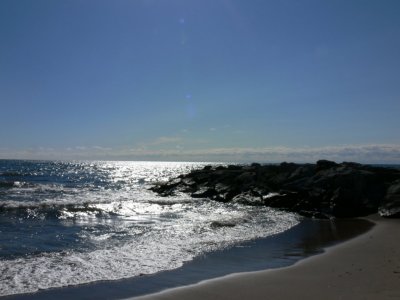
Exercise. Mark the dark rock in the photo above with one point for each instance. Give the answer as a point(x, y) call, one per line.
point(228, 223)
point(222, 188)
point(346, 202)
point(284, 200)
point(229, 195)
point(204, 193)
point(166, 189)
point(391, 204)
point(325, 164)
point(245, 177)
point(188, 181)
point(351, 164)
point(318, 190)
point(200, 177)
point(6, 184)
point(234, 167)
point(219, 224)
point(287, 167)
point(302, 171)
point(248, 198)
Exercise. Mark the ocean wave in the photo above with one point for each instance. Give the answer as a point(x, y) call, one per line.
point(79, 222)
point(49, 211)
point(171, 201)
point(13, 174)
point(103, 205)
point(161, 248)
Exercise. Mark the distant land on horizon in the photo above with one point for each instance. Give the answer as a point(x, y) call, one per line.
point(264, 162)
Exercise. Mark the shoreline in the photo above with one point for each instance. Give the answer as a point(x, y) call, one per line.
point(364, 267)
point(306, 239)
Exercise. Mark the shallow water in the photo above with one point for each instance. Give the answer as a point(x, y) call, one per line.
point(303, 240)
point(69, 223)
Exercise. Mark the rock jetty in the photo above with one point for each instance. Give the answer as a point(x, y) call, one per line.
point(322, 190)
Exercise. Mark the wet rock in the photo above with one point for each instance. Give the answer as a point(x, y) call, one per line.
point(219, 224)
point(204, 193)
point(318, 190)
point(391, 204)
point(245, 177)
point(282, 201)
point(248, 198)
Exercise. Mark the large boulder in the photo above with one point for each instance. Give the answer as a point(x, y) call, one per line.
point(325, 164)
point(390, 206)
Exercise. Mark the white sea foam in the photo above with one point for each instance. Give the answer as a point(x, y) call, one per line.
point(167, 246)
point(119, 227)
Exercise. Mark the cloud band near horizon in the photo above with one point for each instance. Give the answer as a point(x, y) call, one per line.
point(373, 153)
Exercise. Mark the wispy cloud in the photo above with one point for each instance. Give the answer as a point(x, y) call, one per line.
point(162, 140)
point(360, 153)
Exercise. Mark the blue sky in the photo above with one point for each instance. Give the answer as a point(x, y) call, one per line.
point(214, 80)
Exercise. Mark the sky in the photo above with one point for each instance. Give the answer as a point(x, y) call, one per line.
point(209, 80)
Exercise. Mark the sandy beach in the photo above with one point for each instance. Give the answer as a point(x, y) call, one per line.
point(366, 267)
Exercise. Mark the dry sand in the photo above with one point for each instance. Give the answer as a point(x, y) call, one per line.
point(366, 267)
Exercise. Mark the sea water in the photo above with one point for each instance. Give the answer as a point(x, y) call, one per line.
point(69, 223)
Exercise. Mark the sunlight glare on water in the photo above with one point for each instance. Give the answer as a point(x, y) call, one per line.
point(85, 222)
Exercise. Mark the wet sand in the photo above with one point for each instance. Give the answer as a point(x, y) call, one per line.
point(366, 267)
